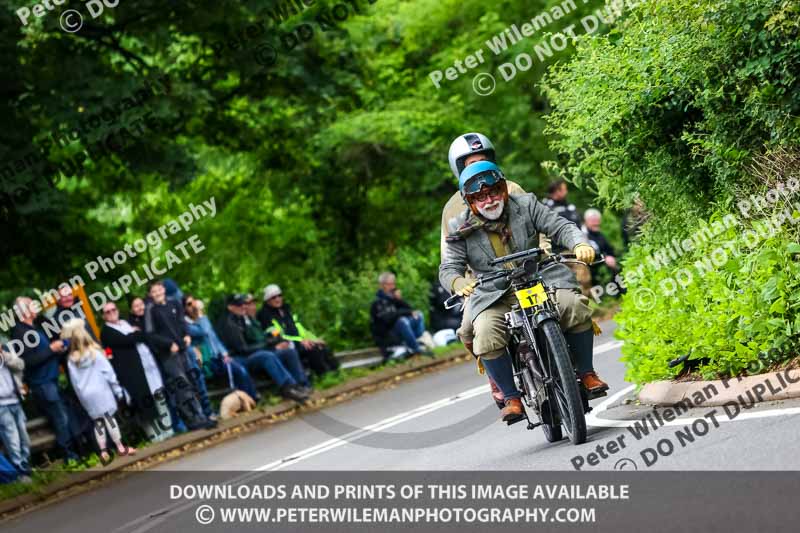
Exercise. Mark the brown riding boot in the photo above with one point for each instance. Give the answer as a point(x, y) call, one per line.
point(512, 411)
point(497, 394)
point(592, 382)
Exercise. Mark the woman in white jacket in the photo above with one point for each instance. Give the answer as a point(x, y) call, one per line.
point(96, 386)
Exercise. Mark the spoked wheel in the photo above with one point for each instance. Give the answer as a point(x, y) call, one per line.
point(565, 392)
point(552, 428)
point(548, 413)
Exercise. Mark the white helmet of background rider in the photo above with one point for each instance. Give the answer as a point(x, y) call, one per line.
point(466, 145)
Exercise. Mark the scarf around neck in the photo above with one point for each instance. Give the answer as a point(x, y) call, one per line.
point(476, 222)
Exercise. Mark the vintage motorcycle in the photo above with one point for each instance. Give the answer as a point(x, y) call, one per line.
point(543, 368)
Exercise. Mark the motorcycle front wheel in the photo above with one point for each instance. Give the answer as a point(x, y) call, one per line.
point(565, 392)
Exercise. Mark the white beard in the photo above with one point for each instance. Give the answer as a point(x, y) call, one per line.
point(492, 211)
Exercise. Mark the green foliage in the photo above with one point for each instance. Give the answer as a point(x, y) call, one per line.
point(326, 168)
point(682, 97)
point(732, 300)
point(681, 94)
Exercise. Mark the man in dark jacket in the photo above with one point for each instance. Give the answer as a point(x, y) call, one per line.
point(557, 201)
point(245, 345)
point(393, 318)
point(599, 242)
point(42, 360)
point(276, 314)
point(166, 331)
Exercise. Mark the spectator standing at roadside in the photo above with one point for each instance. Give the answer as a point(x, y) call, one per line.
point(276, 313)
point(598, 241)
point(13, 433)
point(138, 307)
point(67, 309)
point(391, 316)
point(282, 366)
point(96, 385)
point(136, 316)
point(557, 201)
point(42, 362)
point(166, 331)
point(216, 360)
point(137, 370)
point(194, 362)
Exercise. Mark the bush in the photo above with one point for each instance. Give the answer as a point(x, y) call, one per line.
point(682, 96)
point(730, 301)
point(679, 96)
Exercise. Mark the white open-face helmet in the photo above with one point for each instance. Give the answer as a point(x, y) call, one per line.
point(468, 144)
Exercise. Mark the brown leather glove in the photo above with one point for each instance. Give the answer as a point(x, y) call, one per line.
point(464, 287)
point(584, 252)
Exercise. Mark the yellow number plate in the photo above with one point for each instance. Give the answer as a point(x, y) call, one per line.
point(530, 297)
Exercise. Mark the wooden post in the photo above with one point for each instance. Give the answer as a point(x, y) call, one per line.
point(80, 292)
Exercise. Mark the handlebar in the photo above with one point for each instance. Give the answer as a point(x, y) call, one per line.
point(452, 302)
point(515, 256)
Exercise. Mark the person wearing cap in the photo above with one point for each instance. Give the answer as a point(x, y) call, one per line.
point(282, 366)
point(276, 314)
point(497, 223)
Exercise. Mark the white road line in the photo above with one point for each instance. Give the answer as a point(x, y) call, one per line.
point(150, 520)
point(606, 347)
point(392, 421)
point(378, 426)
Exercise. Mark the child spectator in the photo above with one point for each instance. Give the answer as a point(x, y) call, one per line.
point(13, 433)
point(166, 331)
point(96, 385)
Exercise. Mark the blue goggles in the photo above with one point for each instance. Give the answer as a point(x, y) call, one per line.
point(478, 175)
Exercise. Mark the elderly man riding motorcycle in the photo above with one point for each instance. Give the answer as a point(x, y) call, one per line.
point(495, 223)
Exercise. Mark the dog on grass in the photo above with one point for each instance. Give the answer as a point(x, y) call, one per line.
point(235, 402)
